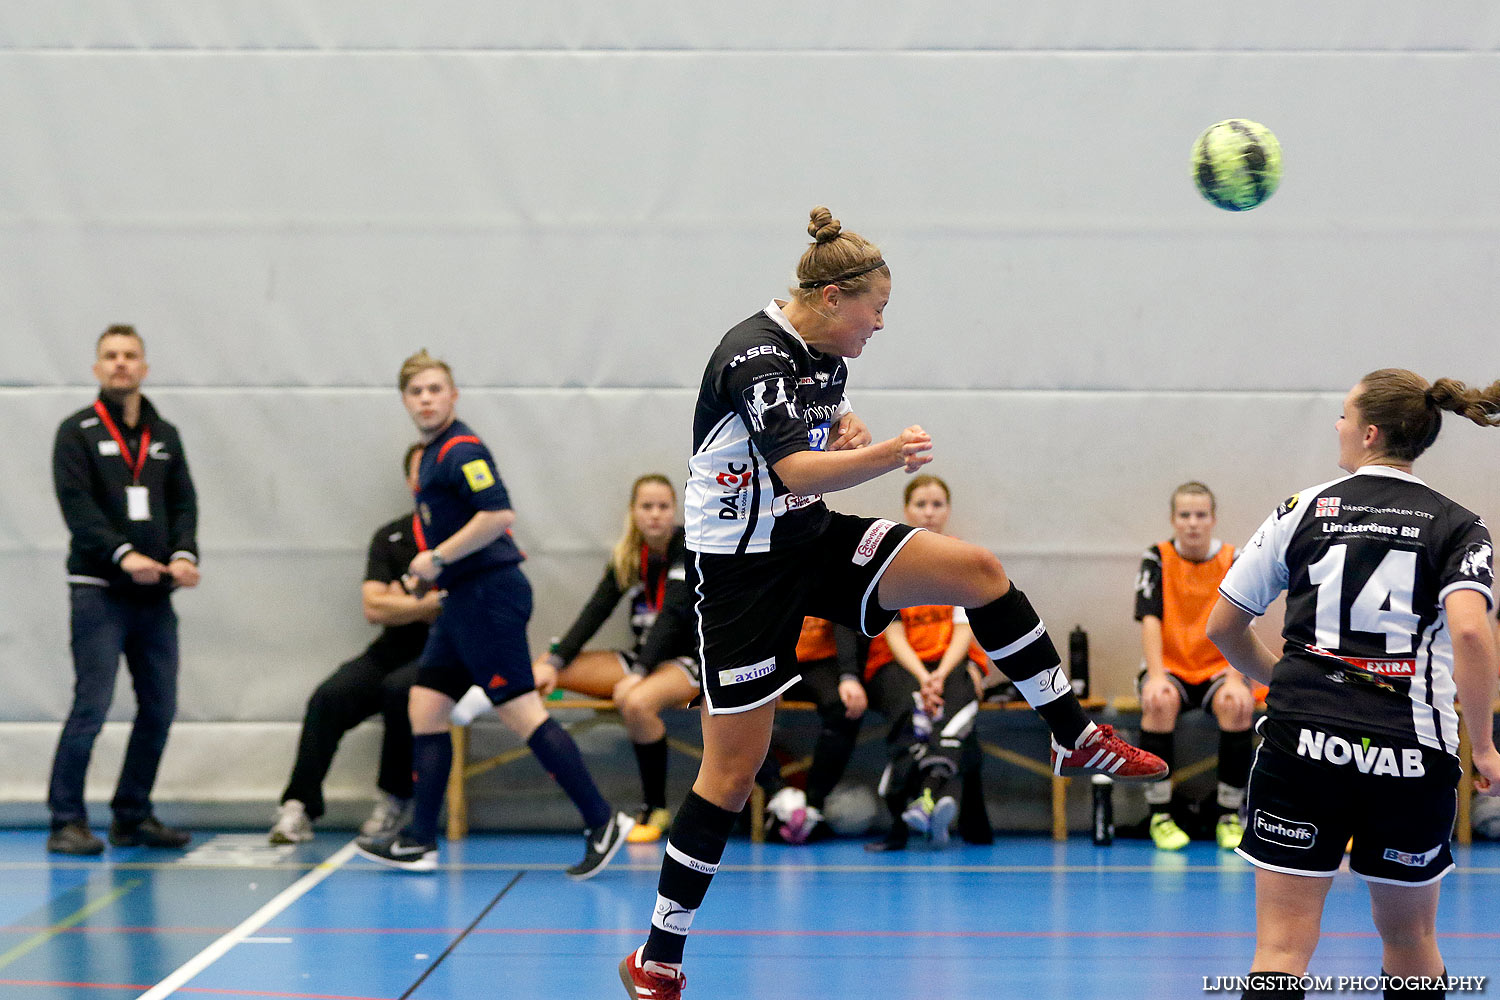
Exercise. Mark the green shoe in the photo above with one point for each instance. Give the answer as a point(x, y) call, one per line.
point(1229, 832)
point(1166, 834)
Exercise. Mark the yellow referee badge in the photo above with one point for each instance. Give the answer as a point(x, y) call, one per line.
point(479, 475)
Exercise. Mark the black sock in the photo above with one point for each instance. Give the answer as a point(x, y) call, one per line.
point(1066, 718)
point(1159, 793)
point(830, 757)
point(651, 758)
point(1013, 635)
point(1161, 744)
point(1234, 758)
point(555, 750)
point(431, 757)
point(1274, 986)
point(939, 767)
point(694, 848)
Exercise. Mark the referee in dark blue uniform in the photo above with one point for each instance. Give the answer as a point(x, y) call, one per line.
point(467, 550)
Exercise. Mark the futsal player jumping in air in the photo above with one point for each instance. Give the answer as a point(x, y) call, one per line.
point(1389, 586)
point(772, 433)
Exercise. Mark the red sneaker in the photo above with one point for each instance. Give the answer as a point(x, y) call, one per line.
point(655, 983)
point(1107, 754)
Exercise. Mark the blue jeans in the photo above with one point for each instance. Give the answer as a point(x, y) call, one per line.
point(104, 626)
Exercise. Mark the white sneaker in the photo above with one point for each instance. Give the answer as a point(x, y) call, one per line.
point(786, 802)
point(292, 825)
point(386, 816)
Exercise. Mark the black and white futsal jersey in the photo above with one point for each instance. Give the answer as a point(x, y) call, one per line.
point(1366, 561)
point(765, 395)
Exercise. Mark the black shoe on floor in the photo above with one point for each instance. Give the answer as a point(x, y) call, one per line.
point(73, 838)
point(149, 832)
point(600, 845)
point(397, 850)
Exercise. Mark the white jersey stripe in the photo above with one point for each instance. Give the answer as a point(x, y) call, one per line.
point(1421, 710)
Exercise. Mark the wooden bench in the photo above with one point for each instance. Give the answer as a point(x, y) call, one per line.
point(1132, 706)
point(465, 769)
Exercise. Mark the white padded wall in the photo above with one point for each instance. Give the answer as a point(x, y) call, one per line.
point(571, 204)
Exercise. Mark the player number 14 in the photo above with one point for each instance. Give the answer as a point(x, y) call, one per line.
point(1383, 604)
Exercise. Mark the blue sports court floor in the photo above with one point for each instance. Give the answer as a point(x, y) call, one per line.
point(1025, 918)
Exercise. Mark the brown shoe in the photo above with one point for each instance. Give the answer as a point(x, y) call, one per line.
point(149, 832)
point(73, 838)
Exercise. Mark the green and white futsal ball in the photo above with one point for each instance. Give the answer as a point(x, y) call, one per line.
point(1236, 164)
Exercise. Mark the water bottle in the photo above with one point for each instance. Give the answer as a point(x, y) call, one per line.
point(1104, 810)
point(552, 644)
point(1078, 660)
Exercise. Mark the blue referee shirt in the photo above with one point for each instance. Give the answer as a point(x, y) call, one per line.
point(457, 479)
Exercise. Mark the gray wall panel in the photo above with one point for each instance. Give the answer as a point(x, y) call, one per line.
point(778, 24)
point(572, 204)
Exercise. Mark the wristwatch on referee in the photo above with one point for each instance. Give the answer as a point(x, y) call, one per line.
point(438, 560)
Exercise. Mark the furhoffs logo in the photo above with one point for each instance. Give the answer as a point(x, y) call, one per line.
point(1286, 832)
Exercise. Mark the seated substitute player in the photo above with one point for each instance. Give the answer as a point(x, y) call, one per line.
point(829, 657)
point(1181, 670)
point(921, 676)
point(377, 680)
point(480, 638)
point(773, 431)
point(1389, 585)
point(647, 561)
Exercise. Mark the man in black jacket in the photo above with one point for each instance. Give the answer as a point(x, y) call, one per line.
point(123, 484)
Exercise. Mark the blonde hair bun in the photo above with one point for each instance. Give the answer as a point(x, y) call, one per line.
point(822, 226)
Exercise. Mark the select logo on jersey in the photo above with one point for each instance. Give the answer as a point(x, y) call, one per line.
point(1478, 562)
point(1274, 829)
point(740, 675)
point(1369, 759)
point(1411, 860)
point(1287, 505)
point(478, 475)
point(110, 447)
point(765, 396)
point(870, 543)
point(756, 352)
point(1327, 507)
point(734, 500)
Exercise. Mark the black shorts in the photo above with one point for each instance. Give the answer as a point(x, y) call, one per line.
point(480, 638)
point(750, 607)
point(1200, 695)
point(1313, 788)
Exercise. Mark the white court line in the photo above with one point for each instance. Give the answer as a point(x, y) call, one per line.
point(208, 956)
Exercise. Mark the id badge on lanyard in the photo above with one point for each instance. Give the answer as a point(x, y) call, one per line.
point(138, 503)
point(137, 497)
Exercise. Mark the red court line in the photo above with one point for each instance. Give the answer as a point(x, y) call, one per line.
point(187, 989)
